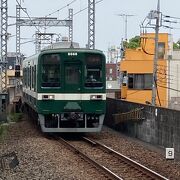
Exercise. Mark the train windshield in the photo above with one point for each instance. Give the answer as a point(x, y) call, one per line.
point(50, 70)
point(93, 71)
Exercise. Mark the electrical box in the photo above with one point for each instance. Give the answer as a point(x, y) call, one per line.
point(153, 14)
point(3, 106)
point(17, 70)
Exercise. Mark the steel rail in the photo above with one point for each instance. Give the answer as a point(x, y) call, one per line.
point(88, 159)
point(129, 161)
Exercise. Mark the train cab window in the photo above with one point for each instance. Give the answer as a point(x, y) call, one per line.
point(71, 74)
point(50, 70)
point(93, 71)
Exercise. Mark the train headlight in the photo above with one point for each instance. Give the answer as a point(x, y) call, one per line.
point(48, 97)
point(96, 97)
point(51, 97)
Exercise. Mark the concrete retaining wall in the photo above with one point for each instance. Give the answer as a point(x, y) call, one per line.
point(160, 126)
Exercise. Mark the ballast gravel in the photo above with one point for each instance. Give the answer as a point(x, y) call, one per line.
point(43, 158)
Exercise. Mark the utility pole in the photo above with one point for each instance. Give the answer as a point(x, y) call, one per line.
point(18, 8)
point(126, 23)
point(71, 25)
point(154, 84)
point(3, 59)
point(91, 24)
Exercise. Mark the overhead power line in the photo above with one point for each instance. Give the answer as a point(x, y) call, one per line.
point(67, 5)
point(27, 15)
point(81, 10)
point(76, 13)
point(169, 88)
point(167, 16)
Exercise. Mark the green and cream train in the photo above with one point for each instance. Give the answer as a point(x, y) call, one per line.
point(65, 89)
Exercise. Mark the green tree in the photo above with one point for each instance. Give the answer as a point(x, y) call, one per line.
point(133, 43)
point(176, 45)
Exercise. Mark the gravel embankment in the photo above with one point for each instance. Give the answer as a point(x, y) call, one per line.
point(42, 158)
point(144, 153)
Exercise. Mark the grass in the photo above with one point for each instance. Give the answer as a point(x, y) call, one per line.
point(3, 131)
point(15, 117)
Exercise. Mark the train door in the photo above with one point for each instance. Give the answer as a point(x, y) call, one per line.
point(72, 77)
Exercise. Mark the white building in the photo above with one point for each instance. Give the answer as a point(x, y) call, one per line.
point(174, 80)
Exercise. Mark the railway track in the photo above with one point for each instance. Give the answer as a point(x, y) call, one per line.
point(112, 164)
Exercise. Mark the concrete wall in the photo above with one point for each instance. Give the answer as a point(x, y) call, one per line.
point(160, 126)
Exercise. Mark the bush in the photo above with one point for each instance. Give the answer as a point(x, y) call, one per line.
point(3, 130)
point(16, 117)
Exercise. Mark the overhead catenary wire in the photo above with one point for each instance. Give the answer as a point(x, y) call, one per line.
point(76, 13)
point(67, 5)
point(27, 15)
point(81, 10)
point(30, 18)
point(27, 42)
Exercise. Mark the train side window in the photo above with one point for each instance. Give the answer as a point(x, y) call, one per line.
point(24, 77)
point(32, 77)
point(28, 77)
point(35, 77)
point(50, 71)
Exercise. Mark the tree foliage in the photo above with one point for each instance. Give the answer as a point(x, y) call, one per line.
point(176, 45)
point(133, 43)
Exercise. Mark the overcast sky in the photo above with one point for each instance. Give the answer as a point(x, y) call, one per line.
point(109, 26)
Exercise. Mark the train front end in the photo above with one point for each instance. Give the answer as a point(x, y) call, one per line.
point(71, 90)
